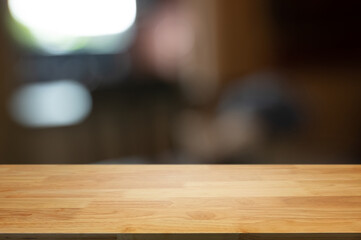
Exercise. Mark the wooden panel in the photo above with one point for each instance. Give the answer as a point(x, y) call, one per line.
point(182, 236)
point(128, 199)
point(246, 38)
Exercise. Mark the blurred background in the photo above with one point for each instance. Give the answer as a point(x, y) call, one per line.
point(180, 81)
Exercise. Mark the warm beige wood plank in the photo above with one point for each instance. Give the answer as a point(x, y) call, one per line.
point(117, 199)
point(237, 236)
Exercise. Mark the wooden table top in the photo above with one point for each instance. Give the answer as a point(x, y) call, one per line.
point(180, 199)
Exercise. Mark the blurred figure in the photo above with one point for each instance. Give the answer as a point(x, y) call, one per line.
point(252, 113)
point(165, 37)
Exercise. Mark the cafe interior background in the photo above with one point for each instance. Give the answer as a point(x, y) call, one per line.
point(180, 81)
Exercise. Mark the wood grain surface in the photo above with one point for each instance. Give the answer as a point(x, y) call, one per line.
point(168, 199)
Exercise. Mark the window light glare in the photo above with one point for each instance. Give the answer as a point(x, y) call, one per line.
point(75, 17)
point(53, 104)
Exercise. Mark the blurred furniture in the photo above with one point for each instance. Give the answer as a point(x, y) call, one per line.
point(121, 201)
